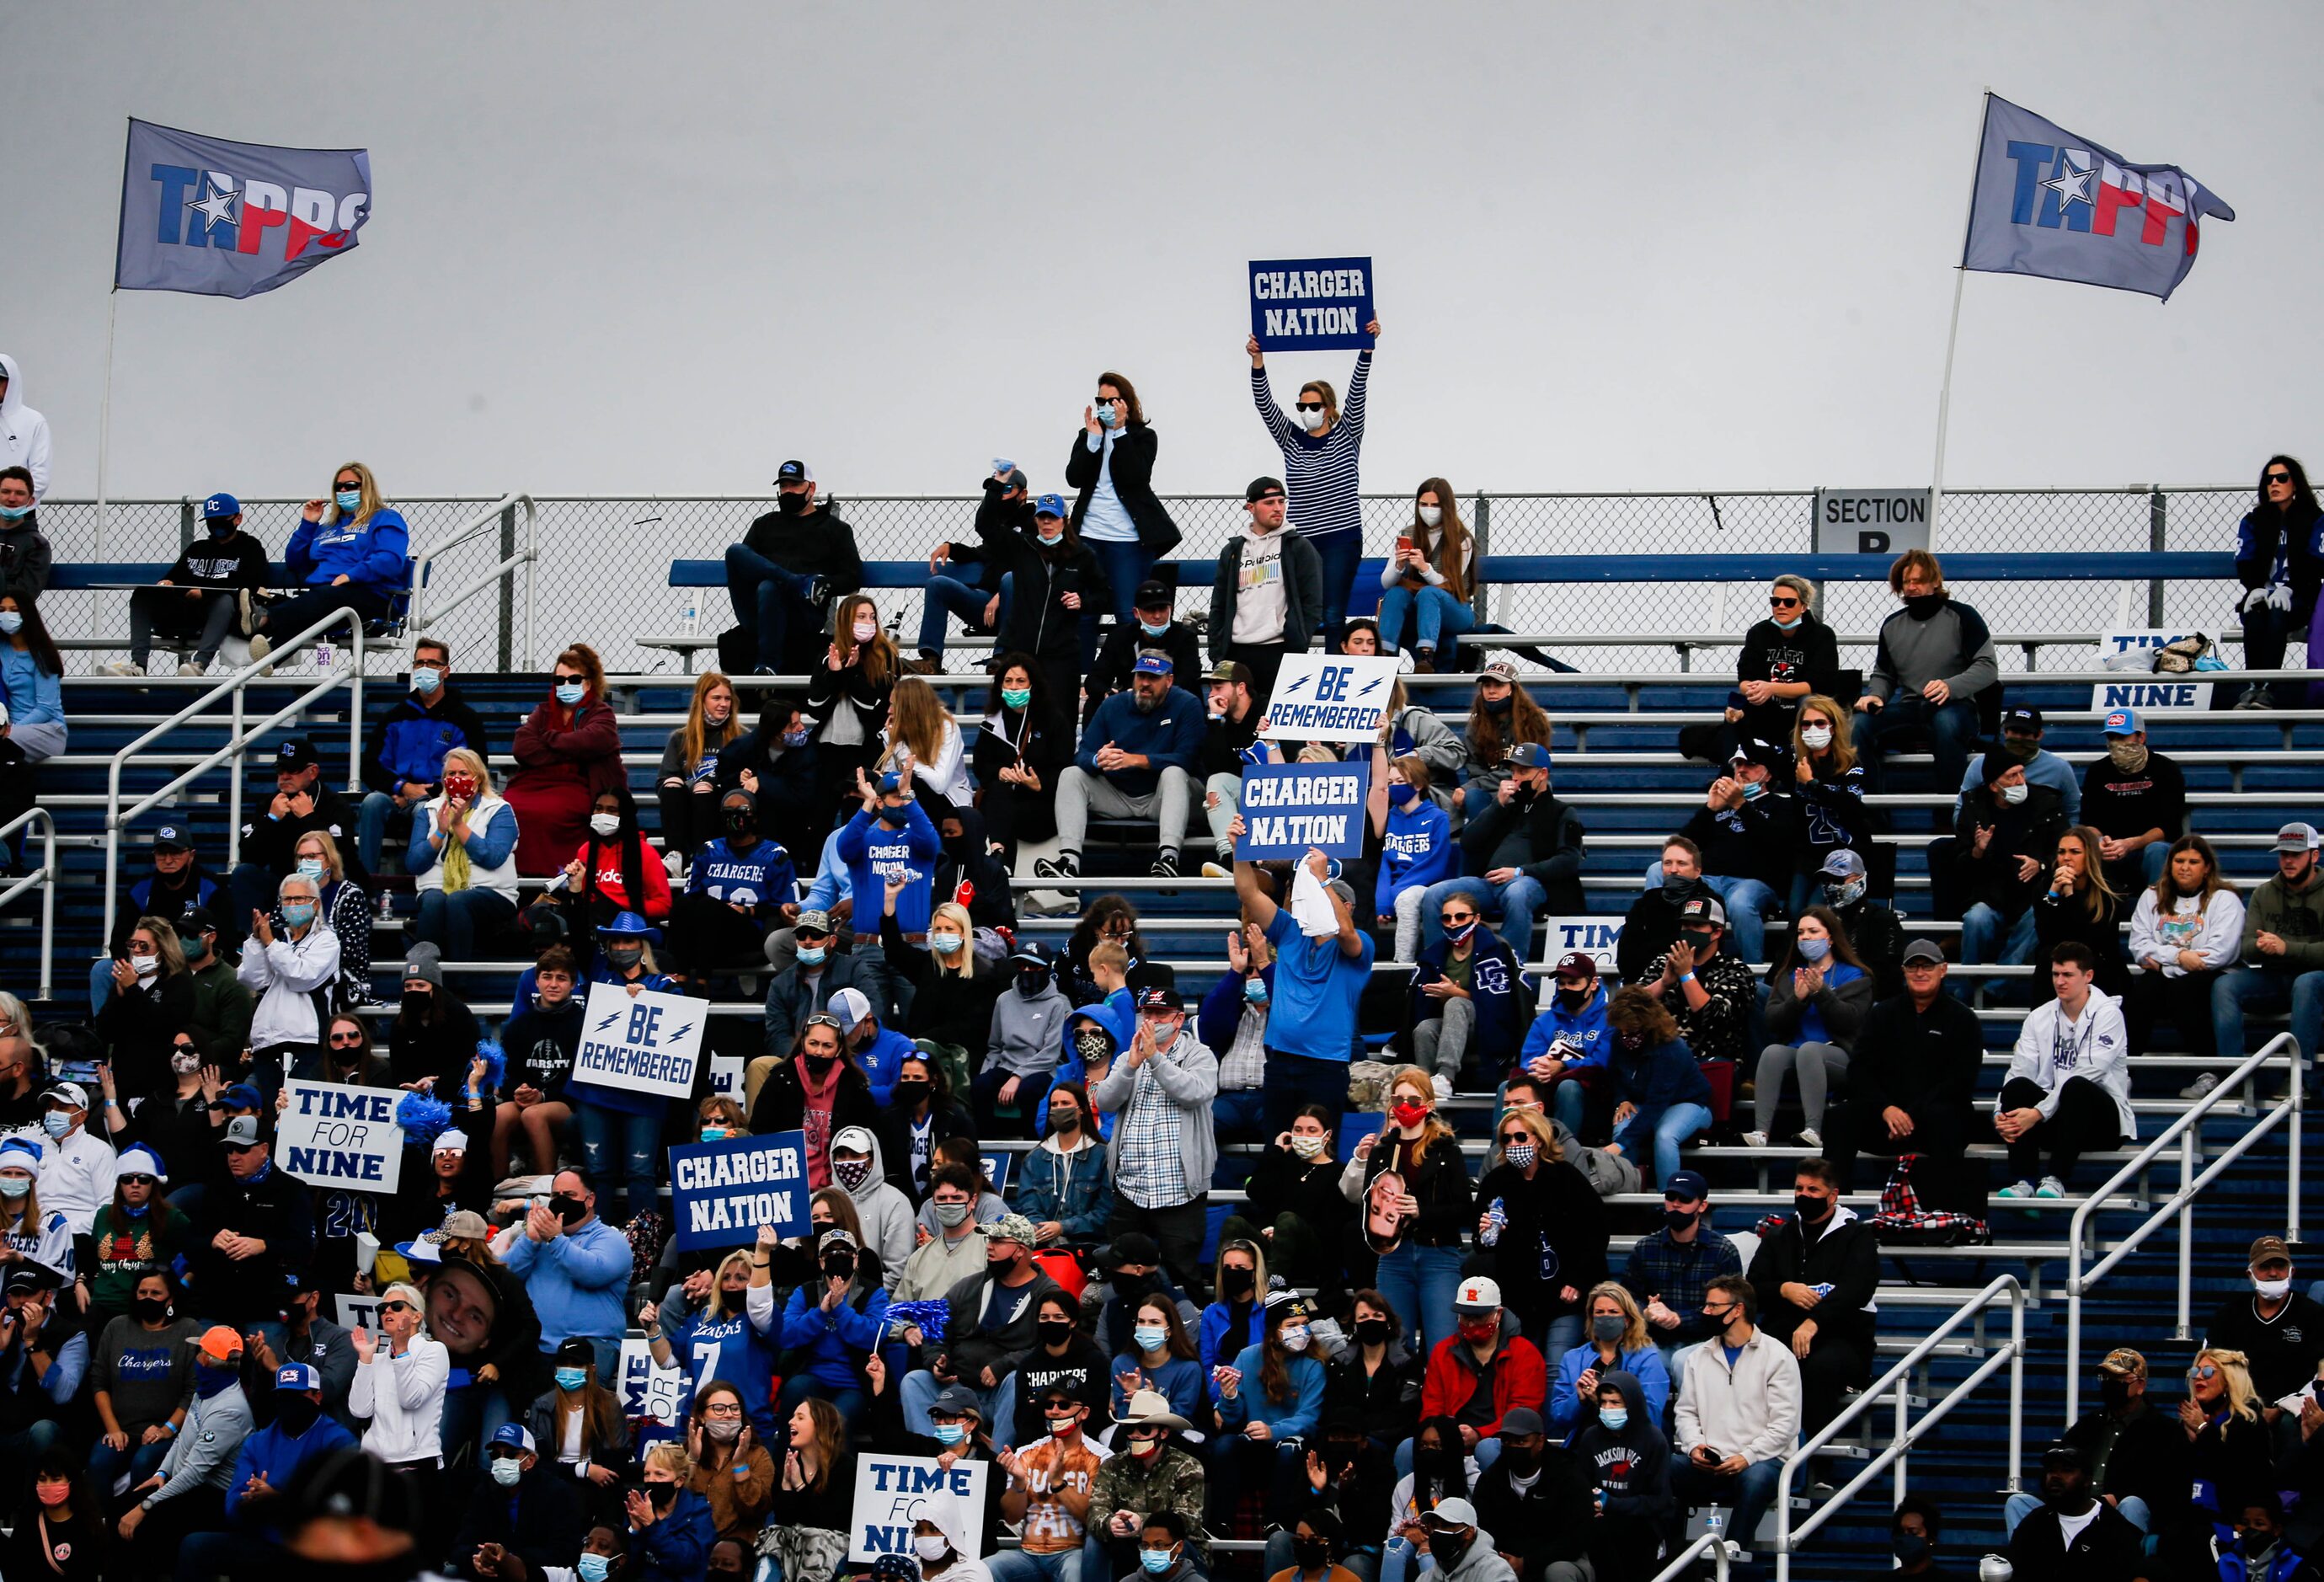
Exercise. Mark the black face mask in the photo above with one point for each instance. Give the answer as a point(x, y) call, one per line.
point(1238, 1283)
point(570, 1209)
point(908, 1094)
point(1498, 707)
point(1812, 1210)
point(1314, 1553)
point(1130, 1287)
point(1032, 985)
point(1450, 1550)
point(742, 821)
point(819, 1064)
point(1427, 1463)
point(791, 504)
point(149, 1309)
point(296, 1413)
point(662, 1494)
point(1371, 1331)
point(840, 1266)
point(1573, 999)
point(416, 1001)
point(1922, 606)
point(1054, 1331)
point(2115, 1393)
point(1701, 939)
point(1520, 1461)
point(1679, 888)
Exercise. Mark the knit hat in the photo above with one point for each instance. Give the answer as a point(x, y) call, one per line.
point(139, 1160)
point(424, 963)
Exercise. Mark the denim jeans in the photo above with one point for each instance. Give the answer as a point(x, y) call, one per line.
point(1949, 727)
point(1238, 1115)
point(1014, 1565)
point(1519, 902)
point(1487, 1452)
point(848, 1404)
point(1668, 1127)
point(451, 920)
point(637, 1137)
point(1125, 566)
point(949, 594)
point(1438, 616)
point(767, 598)
point(1340, 551)
point(1981, 926)
point(139, 1461)
point(373, 816)
point(1747, 903)
point(2017, 1507)
point(918, 1393)
point(1747, 1493)
point(1419, 1283)
point(2265, 988)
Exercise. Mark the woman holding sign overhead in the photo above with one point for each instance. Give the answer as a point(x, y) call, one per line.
point(1320, 450)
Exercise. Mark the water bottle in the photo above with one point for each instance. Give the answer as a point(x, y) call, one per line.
point(1496, 1218)
point(324, 653)
point(690, 617)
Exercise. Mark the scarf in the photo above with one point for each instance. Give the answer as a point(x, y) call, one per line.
point(458, 872)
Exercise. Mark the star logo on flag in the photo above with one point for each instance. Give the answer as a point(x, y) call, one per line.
point(216, 206)
point(2071, 184)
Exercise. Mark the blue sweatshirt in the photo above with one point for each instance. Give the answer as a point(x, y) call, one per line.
point(837, 1341)
point(35, 697)
point(1659, 1077)
point(759, 877)
point(373, 556)
point(280, 1457)
point(873, 849)
point(675, 1548)
point(1586, 1027)
point(1417, 848)
point(1565, 1414)
point(1182, 1382)
point(1221, 1011)
point(883, 1056)
point(1170, 737)
point(576, 1282)
point(1297, 1417)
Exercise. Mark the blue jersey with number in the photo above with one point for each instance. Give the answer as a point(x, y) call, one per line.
point(730, 1349)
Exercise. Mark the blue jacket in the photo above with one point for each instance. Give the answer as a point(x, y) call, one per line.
point(1182, 1382)
point(576, 1282)
point(409, 742)
point(1586, 1027)
point(1659, 1077)
point(1070, 1188)
point(675, 1548)
point(1210, 1334)
point(35, 697)
point(1565, 1413)
point(1299, 1416)
point(280, 1457)
point(1171, 737)
point(831, 885)
point(1417, 848)
point(1495, 982)
point(375, 556)
point(883, 1056)
point(837, 1341)
point(488, 847)
point(871, 848)
point(1221, 1011)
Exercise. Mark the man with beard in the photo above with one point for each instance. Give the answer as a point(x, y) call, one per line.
point(1137, 761)
point(2075, 1535)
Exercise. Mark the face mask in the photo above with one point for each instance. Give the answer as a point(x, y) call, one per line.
point(1477, 1330)
point(1812, 948)
point(505, 1471)
point(57, 1125)
point(1700, 940)
point(1815, 738)
point(625, 956)
point(1629, 1042)
point(1306, 1147)
point(726, 1433)
point(1064, 1122)
point(1314, 1553)
point(851, 1172)
point(1150, 1337)
point(592, 1568)
point(459, 785)
point(1614, 1417)
point(812, 955)
point(1430, 515)
point(1156, 1561)
point(296, 1413)
point(794, 503)
point(1016, 697)
point(713, 1134)
point(1296, 1340)
point(1402, 795)
point(1847, 894)
point(910, 1095)
point(1678, 1219)
point(1520, 1155)
point(2013, 794)
point(1049, 540)
point(15, 512)
point(1145, 1450)
point(1238, 1284)
point(347, 499)
point(932, 1548)
point(148, 1308)
point(2273, 1290)
point(1607, 1328)
point(1106, 415)
point(741, 820)
point(1062, 1428)
point(1498, 707)
point(2253, 1544)
point(144, 966)
point(1152, 630)
point(10, 622)
point(1254, 989)
point(865, 631)
point(1054, 1331)
point(1910, 1548)
point(571, 1379)
point(605, 826)
point(663, 1494)
point(1679, 888)
point(570, 1209)
point(840, 1265)
point(944, 944)
point(425, 680)
point(1753, 790)
point(1311, 422)
point(2127, 755)
point(895, 815)
point(796, 737)
point(1408, 1115)
point(297, 913)
point(951, 1433)
point(1810, 1209)
point(311, 869)
point(951, 1215)
point(1922, 606)
point(570, 692)
point(1032, 985)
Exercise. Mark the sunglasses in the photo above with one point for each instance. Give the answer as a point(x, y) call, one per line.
point(1517, 1138)
point(2278, 477)
point(564, 676)
point(347, 1040)
point(347, 484)
point(821, 1020)
point(1781, 602)
point(1454, 922)
point(398, 1306)
point(236, 1147)
point(141, 1181)
point(1309, 406)
point(2208, 1371)
point(506, 1453)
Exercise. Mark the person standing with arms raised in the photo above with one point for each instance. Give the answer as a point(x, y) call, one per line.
point(1320, 444)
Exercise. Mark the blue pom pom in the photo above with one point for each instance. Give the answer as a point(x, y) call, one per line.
point(421, 1118)
point(495, 1062)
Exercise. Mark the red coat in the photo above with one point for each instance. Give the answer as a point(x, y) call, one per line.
point(1520, 1378)
point(579, 746)
point(608, 878)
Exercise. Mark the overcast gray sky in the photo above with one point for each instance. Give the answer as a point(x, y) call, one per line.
point(659, 248)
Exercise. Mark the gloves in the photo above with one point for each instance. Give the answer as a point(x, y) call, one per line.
point(2278, 596)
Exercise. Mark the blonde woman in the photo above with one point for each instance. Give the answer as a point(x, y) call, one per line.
point(464, 858)
point(1428, 576)
point(687, 781)
point(1786, 659)
point(2230, 1446)
point(346, 910)
point(671, 1528)
point(952, 995)
point(1831, 789)
point(1617, 1341)
point(350, 552)
point(399, 1382)
point(920, 729)
point(705, 1340)
point(1545, 1229)
point(1412, 1187)
point(1321, 445)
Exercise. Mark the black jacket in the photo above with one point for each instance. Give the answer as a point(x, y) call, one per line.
point(2148, 1458)
point(813, 541)
point(1809, 652)
point(1303, 593)
point(1649, 929)
point(895, 1133)
point(1541, 835)
point(996, 521)
point(1441, 1187)
point(1923, 1064)
point(274, 1209)
point(1761, 839)
point(1040, 742)
point(1132, 471)
point(2109, 1549)
point(2031, 828)
point(273, 843)
point(1038, 623)
point(539, 1519)
point(971, 1348)
point(782, 1102)
point(1548, 1522)
point(1558, 1211)
point(1878, 935)
point(1112, 671)
point(1846, 1256)
point(237, 560)
point(1386, 1404)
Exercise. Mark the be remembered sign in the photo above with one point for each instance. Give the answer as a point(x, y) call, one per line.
point(720, 1193)
point(1330, 698)
point(648, 1043)
point(335, 1136)
point(1311, 304)
point(891, 1493)
point(1288, 809)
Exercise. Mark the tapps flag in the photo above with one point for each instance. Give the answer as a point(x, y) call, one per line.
point(233, 219)
point(2049, 203)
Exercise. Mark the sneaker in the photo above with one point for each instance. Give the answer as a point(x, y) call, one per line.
point(2201, 1086)
point(1217, 871)
point(1754, 1140)
point(924, 666)
point(2018, 1189)
point(193, 667)
point(1423, 661)
point(1056, 868)
point(1165, 865)
point(2051, 1187)
point(260, 646)
point(123, 666)
point(1444, 1085)
point(2255, 697)
point(1809, 1136)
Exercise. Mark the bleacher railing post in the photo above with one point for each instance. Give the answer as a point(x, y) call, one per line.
point(508, 587)
point(233, 793)
point(2017, 1388)
point(1482, 535)
point(185, 526)
point(2186, 1233)
point(2158, 513)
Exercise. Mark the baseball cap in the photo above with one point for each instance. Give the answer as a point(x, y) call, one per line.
point(196, 920)
point(1051, 504)
point(169, 838)
point(297, 753)
point(889, 783)
point(1844, 864)
point(1011, 1227)
point(1501, 670)
point(795, 472)
point(835, 1238)
point(1260, 488)
point(1131, 1246)
point(1529, 756)
point(2297, 836)
point(219, 1342)
point(2122, 722)
point(467, 1225)
point(1152, 595)
point(1160, 997)
point(241, 1132)
point(71, 1093)
point(242, 1096)
point(1229, 671)
point(2024, 717)
point(1758, 750)
point(1480, 1293)
point(1152, 662)
point(953, 1401)
point(1923, 950)
point(296, 1377)
point(1577, 963)
point(220, 505)
point(1522, 1420)
point(2060, 1453)
point(1455, 1511)
point(851, 1006)
point(1704, 909)
point(26, 1281)
point(2124, 1364)
point(516, 1434)
point(1686, 1185)
point(813, 922)
point(2267, 1247)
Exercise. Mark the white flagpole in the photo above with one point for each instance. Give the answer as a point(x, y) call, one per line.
point(105, 416)
point(1952, 338)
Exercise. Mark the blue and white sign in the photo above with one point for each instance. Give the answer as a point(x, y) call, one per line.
point(1311, 304)
point(720, 1193)
point(2184, 693)
point(1596, 936)
point(648, 1042)
point(333, 1135)
point(647, 1391)
point(892, 1492)
point(1329, 698)
point(1291, 809)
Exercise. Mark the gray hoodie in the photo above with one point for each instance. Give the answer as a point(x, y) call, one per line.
point(885, 1212)
point(1028, 1035)
point(205, 1450)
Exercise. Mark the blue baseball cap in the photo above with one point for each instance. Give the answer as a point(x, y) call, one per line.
point(516, 1434)
point(1687, 1186)
point(889, 783)
point(1050, 506)
point(296, 1377)
point(1529, 756)
point(2122, 722)
point(242, 1096)
point(1152, 662)
point(220, 505)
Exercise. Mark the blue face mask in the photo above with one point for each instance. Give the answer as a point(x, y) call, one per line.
point(10, 622)
point(1106, 416)
point(57, 1124)
point(14, 513)
point(1787, 626)
point(297, 913)
point(348, 499)
point(570, 1379)
point(1254, 989)
point(15, 1187)
point(1753, 790)
point(220, 526)
point(571, 692)
point(796, 738)
point(311, 868)
point(1152, 630)
point(811, 955)
point(1815, 949)
point(897, 816)
point(1614, 1417)
point(1402, 795)
point(425, 680)
point(1156, 1561)
point(592, 1568)
point(713, 1134)
point(950, 1433)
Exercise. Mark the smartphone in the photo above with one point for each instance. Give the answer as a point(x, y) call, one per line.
point(1402, 544)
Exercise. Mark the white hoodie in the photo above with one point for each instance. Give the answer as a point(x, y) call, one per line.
point(24, 433)
point(2096, 1047)
point(1261, 603)
point(2214, 932)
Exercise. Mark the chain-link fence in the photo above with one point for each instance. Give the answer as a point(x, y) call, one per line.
point(603, 574)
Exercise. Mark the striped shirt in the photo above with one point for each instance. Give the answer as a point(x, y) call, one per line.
point(1319, 475)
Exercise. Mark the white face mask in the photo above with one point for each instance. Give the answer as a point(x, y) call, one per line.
point(932, 1548)
point(2273, 1290)
point(866, 630)
point(1306, 1147)
point(2013, 794)
point(1311, 422)
point(144, 966)
point(604, 824)
point(1430, 515)
point(1296, 1340)
point(1815, 738)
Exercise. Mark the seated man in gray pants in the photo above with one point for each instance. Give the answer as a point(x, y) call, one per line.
point(1137, 761)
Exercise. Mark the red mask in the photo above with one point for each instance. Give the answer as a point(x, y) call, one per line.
point(459, 785)
point(52, 1493)
point(1409, 1114)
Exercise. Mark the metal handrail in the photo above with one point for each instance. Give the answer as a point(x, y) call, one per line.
point(422, 611)
point(46, 878)
point(1895, 1382)
point(2187, 1131)
point(117, 818)
point(1713, 1543)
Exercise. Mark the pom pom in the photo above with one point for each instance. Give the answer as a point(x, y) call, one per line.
point(495, 1061)
point(421, 1118)
point(928, 1317)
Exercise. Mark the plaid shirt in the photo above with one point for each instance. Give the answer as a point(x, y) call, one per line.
point(1679, 1272)
point(1243, 1066)
point(1150, 1168)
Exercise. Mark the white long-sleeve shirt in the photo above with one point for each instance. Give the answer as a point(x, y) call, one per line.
point(403, 1396)
point(76, 1177)
point(2052, 1047)
point(947, 776)
point(2213, 932)
point(1429, 544)
point(1749, 1408)
point(285, 976)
